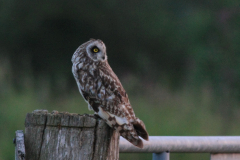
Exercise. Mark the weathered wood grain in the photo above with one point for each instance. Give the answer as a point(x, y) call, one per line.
point(65, 136)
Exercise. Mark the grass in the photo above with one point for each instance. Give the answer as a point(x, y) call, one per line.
point(185, 112)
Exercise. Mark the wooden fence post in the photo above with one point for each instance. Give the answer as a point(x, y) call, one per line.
point(69, 137)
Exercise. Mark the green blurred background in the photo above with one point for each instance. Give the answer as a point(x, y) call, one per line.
point(179, 62)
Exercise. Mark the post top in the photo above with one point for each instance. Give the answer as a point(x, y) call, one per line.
point(60, 119)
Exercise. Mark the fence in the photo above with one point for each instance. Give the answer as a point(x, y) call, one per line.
point(72, 136)
point(220, 147)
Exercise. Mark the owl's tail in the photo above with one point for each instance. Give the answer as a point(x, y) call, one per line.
point(132, 137)
point(140, 128)
point(131, 132)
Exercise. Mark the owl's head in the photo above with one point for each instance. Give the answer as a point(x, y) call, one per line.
point(96, 50)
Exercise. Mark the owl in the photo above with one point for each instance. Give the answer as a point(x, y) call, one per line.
point(104, 93)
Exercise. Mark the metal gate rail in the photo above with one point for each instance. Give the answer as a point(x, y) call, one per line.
point(220, 147)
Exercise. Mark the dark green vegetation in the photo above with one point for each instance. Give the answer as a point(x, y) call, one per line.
point(178, 61)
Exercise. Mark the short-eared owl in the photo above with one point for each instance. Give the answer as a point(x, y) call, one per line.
point(104, 93)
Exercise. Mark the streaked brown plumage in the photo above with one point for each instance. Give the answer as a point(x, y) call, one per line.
point(104, 93)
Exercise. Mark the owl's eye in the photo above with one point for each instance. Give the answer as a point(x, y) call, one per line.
point(95, 50)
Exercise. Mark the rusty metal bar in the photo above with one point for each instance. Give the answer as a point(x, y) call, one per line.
point(200, 144)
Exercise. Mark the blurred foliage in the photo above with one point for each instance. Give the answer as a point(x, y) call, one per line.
point(172, 41)
point(178, 60)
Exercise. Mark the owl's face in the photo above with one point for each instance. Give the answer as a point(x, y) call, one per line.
point(96, 50)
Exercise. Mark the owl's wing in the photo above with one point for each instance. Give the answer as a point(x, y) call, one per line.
point(121, 110)
point(115, 97)
point(103, 89)
point(105, 94)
